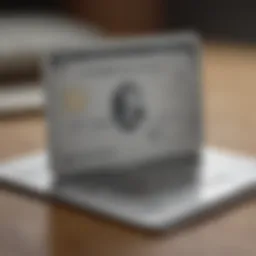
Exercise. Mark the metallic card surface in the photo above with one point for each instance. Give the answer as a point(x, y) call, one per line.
point(124, 103)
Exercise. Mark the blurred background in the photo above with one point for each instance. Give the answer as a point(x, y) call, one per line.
point(30, 28)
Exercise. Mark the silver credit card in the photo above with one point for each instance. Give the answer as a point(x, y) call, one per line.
point(124, 103)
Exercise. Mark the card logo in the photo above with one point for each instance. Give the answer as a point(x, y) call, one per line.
point(128, 108)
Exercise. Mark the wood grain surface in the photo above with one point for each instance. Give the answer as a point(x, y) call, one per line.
point(32, 228)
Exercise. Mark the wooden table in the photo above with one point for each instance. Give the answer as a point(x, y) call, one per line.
point(32, 228)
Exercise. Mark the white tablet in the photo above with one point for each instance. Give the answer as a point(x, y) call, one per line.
point(156, 199)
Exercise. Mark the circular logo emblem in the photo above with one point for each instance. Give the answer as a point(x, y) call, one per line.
point(127, 106)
